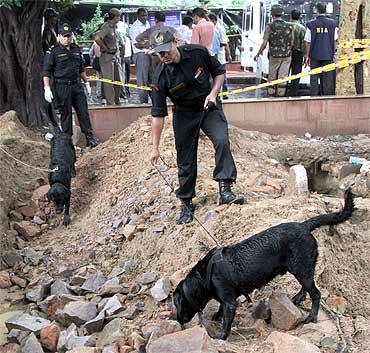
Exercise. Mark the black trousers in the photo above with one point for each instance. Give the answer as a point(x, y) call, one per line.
point(327, 80)
point(68, 96)
point(214, 125)
point(296, 68)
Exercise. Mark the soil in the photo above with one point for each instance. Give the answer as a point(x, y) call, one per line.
point(116, 181)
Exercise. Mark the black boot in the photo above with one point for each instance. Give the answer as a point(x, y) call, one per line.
point(91, 140)
point(187, 212)
point(227, 196)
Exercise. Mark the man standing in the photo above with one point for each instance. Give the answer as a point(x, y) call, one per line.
point(142, 60)
point(110, 60)
point(320, 38)
point(184, 76)
point(49, 35)
point(186, 30)
point(64, 63)
point(204, 30)
point(279, 36)
point(297, 52)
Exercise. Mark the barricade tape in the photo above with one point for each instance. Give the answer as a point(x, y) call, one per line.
point(342, 62)
point(354, 43)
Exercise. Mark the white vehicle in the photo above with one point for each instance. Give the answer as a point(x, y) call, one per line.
point(256, 16)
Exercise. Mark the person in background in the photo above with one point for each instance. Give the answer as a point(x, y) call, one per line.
point(297, 51)
point(186, 30)
point(49, 34)
point(279, 36)
point(184, 76)
point(65, 64)
point(203, 31)
point(141, 60)
point(95, 63)
point(110, 61)
point(223, 54)
point(320, 39)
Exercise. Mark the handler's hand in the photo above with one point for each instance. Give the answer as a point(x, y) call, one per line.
point(88, 88)
point(154, 155)
point(209, 98)
point(48, 95)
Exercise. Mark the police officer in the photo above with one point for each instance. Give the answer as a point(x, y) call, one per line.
point(64, 63)
point(279, 36)
point(49, 35)
point(320, 37)
point(183, 75)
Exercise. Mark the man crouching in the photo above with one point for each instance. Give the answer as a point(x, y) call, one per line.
point(184, 76)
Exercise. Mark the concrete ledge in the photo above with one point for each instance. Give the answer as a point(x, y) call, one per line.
point(322, 116)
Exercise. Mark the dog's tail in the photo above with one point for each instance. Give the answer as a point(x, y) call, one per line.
point(333, 218)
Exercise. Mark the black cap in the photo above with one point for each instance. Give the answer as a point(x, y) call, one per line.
point(49, 13)
point(65, 29)
point(277, 10)
point(162, 39)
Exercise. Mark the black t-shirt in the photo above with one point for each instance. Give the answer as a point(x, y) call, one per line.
point(64, 64)
point(187, 83)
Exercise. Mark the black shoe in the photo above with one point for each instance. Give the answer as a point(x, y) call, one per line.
point(91, 141)
point(187, 212)
point(227, 196)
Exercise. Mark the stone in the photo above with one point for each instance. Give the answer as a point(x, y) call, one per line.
point(284, 343)
point(284, 314)
point(10, 348)
point(83, 350)
point(116, 272)
point(49, 337)
point(117, 223)
point(18, 281)
point(112, 289)
point(129, 231)
point(39, 193)
point(130, 313)
point(129, 265)
point(37, 220)
point(135, 340)
point(298, 181)
point(39, 291)
point(27, 229)
point(125, 349)
point(94, 282)
point(79, 312)
point(112, 349)
point(113, 306)
point(327, 342)
point(110, 334)
point(15, 216)
point(31, 344)
point(25, 322)
point(337, 304)
point(161, 328)
point(69, 340)
point(32, 257)
point(27, 211)
point(5, 280)
point(161, 290)
point(349, 169)
point(148, 278)
point(96, 324)
point(261, 311)
point(16, 336)
point(159, 229)
point(194, 340)
point(59, 287)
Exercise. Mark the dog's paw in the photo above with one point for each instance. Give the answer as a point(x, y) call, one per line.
point(310, 319)
point(221, 336)
point(66, 221)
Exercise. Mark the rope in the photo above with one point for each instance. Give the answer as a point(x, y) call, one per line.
point(173, 190)
point(27, 165)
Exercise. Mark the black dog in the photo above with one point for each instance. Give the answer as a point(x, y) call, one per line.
point(62, 162)
point(226, 273)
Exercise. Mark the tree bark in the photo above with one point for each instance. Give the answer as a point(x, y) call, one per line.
point(20, 69)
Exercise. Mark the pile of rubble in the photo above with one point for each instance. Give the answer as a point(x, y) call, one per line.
point(103, 284)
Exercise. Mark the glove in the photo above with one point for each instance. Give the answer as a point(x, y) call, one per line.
point(88, 88)
point(48, 95)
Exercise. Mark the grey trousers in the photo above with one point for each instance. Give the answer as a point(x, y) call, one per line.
point(111, 69)
point(278, 68)
point(143, 67)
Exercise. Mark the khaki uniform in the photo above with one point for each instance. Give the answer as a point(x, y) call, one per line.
point(279, 35)
point(110, 63)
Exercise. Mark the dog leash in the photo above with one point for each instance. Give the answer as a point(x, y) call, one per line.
point(27, 165)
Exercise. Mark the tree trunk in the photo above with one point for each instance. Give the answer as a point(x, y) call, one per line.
point(21, 62)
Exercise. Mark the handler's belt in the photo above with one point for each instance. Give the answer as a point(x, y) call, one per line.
point(66, 82)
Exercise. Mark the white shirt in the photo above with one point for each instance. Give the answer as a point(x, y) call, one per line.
point(128, 50)
point(221, 55)
point(136, 29)
point(185, 34)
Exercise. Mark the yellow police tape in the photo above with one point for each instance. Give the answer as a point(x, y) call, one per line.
point(342, 62)
point(354, 43)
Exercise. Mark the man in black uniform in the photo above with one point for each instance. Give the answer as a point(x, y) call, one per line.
point(49, 36)
point(184, 76)
point(64, 63)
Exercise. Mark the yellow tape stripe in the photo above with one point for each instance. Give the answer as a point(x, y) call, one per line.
point(119, 83)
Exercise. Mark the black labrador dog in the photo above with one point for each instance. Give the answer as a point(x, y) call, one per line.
point(226, 273)
point(62, 164)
